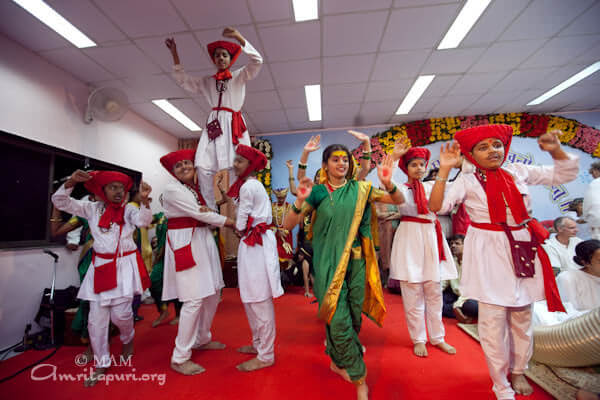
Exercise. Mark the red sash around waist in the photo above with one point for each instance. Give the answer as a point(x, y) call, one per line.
point(538, 232)
point(438, 232)
point(183, 223)
point(254, 233)
point(238, 127)
point(105, 275)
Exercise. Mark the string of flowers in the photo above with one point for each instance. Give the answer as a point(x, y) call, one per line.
point(424, 132)
point(264, 176)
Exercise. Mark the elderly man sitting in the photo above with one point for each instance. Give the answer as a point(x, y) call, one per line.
point(561, 246)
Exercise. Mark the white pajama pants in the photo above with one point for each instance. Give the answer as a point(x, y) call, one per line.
point(206, 182)
point(506, 335)
point(423, 302)
point(195, 321)
point(261, 318)
point(120, 313)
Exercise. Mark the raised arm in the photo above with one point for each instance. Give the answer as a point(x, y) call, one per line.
point(291, 180)
point(449, 157)
point(365, 159)
point(187, 82)
point(250, 70)
point(63, 201)
point(176, 200)
point(313, 144)
point(384, 172)
point(294, 217)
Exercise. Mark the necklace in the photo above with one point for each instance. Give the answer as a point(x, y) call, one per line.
point(332, 188)
point(194, 193)
point(331, 185)
point(279, 210)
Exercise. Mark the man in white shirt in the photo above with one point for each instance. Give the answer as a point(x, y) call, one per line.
point(561, 246)
point(591, 202)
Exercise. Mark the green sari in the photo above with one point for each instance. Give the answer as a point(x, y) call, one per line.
point(156, 276)
point(80, 320)
point(347, 278)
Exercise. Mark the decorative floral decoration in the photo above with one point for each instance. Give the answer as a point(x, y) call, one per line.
point(264, 176)
point(424, 132)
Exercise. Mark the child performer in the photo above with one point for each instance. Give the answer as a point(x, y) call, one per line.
point(225, 92)
point(504, 265)
point(420, 257)
point(285, 242)
point(192, 269)
point(346, 273)
point(258, 264)
point(117, 272)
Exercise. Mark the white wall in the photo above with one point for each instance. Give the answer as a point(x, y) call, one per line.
point(44, 103)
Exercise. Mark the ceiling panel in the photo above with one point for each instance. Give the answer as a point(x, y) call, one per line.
point(560, 51)
point(352, 33)
point(495, 19)
point(440, 85)
point(452, 61)
point(454, 105)
point(268, 10)
point(398, 65)
point(345, 6)
point(297, 73)
point(262, 101)
point(521, 79)
point(200, 15)
point(375, 113)
point(270, 121)
point(586, 23)
point(476, 83)
point(345, 93)
point(293, 98)
point(192, 56)
point(342, 115)
point(424, 105)
point(347, 69)
point(152, 87)
point(78, 64)
point(504, 56)
point(388, 90)
point(292, 42)
point(263, 81)
point(412, 28)
point(123, 61)
point(156, 116)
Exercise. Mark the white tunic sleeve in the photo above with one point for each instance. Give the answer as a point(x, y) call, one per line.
point(562, 171)
point(140, 217)
point(187, 82)
point(179, 205)
point(591, 203)
point(63, 201)
point(454, 195)
point(245, 206)
point(250, 70)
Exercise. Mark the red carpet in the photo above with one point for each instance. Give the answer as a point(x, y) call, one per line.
point(301, 370)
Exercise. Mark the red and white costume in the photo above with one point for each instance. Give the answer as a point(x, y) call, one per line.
point(416, 260)
point(218, 154)
point(117, 271)
point(197, 281)
point(504, 299)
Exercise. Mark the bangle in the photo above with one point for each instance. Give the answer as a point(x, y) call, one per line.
point(394, 189)
point(440, 179)
point(291, 178)
point(366, 156)
point(55, 219)
point(295, 209)
point(302, 166)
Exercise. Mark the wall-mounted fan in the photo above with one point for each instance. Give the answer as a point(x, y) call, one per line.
point(106, 104)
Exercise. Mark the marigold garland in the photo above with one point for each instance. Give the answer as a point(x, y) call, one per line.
point(264, 176)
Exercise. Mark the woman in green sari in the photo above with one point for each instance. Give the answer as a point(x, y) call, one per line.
point(346, 274)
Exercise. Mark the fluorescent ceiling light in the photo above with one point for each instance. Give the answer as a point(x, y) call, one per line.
point(176, 114)
point(313, 101)
point(467, 17)
point(414, 94)
point(305, 10)
point(56, 22)
point(568, 83)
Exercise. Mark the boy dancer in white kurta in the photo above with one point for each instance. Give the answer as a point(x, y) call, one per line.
point(258, 263)
point(213, 155)
point(193, 275)
point(494, 195)
point(420, 257)
point(117, 272)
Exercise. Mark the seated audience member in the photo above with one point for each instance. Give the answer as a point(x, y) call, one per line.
point(455, 305)
point(576, 212)
point(561, 246)
point(582, 287)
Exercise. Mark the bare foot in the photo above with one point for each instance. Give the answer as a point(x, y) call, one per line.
point(340, 371)
point(247, 349)
point(86, 357)
point(188, 368)
point(362, 391)
point(308, 294)
point(214, 345)
point(127, 350)
point(520, 384)
point(163, 315)
point(446, 348)
point(94, 377)
point(174, 321)
point(253, 365)
point(461, 317)
point(420, 350)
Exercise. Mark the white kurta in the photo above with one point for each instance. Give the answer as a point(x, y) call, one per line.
point(206, 277)
point(580, 289)
point(591, 208)
point(258, 266)
point(105, 241)
point(487, 272)
point(219, 154)
point(415, 256)
point(561, 256)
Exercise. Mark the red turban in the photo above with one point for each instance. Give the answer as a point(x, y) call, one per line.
point(234, 51)
point(257, 160)
point(468, 138)
point(413, 152)
point(113, 212)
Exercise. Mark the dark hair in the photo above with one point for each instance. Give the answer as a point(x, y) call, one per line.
point(595, 165)
point(456, 237)
point(429, 176)
point(585, 250)
point(336, 147)
point(573, 204)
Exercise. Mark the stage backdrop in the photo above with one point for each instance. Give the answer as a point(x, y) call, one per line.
point(548, 202)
